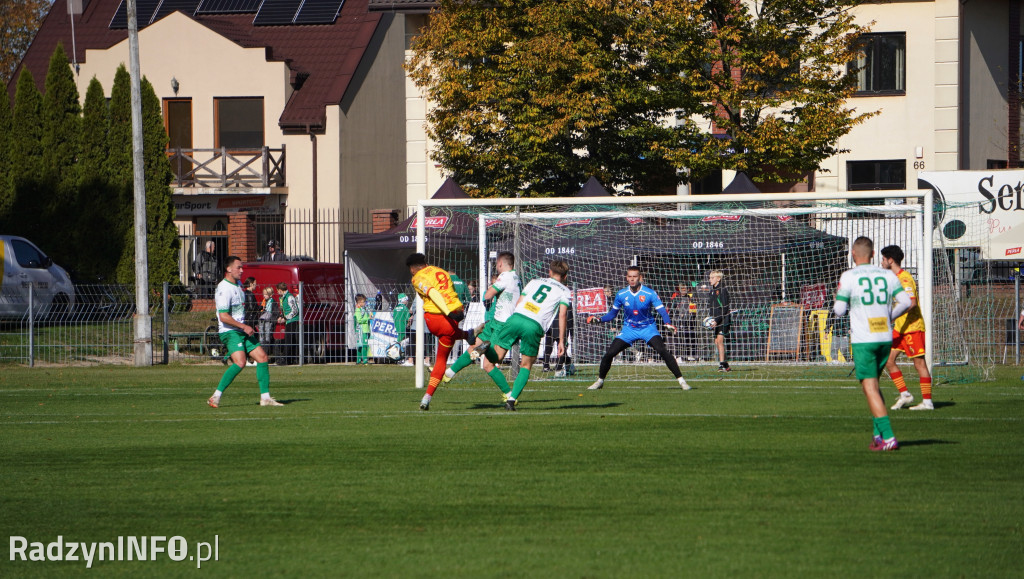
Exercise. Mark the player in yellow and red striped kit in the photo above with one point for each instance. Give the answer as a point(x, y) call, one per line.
point(907, 336)
point(442, 311)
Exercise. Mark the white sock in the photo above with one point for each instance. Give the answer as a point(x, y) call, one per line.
point(449, 373)
point(426, 399)
point(600, 381)
point(216, 395)
point(265, 396)
point(681, 380)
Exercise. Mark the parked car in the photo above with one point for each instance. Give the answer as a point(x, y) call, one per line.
point(323, 297)
point(23, 265)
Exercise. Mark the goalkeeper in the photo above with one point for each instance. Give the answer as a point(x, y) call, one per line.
point(639, 303)
point(442, 312)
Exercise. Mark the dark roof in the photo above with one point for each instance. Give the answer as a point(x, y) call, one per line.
point(323, 58)
point(741, 184)
point(449, 190)
point(593, 188)
point(407, 6)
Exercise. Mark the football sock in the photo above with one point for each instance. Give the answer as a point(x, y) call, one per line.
point(926, 388)
point(263, 377)
point(500, 380)
point(897, 378)
point(426, 399)
point(884, 428)
point(228, 376)
point(521, 379)
point(432, 387)
point(463, 361)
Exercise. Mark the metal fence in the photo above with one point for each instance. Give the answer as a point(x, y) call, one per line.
point(97, 328)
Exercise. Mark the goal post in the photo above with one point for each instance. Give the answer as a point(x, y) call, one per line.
point(790, 238)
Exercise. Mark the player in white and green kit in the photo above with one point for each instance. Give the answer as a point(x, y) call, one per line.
point(538, 304)
point(868, 292)
point(238, 337)
point(504, 291)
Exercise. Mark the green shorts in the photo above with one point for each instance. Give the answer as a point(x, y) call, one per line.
point(491, 331)
point(519, 328)
point(869, 359)
point(236, 341)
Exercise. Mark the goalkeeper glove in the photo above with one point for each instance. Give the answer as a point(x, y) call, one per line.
point(670, 328)
point(592, 319)
point(458, 315)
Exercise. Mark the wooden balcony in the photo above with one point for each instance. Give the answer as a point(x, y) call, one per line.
point(228, 168)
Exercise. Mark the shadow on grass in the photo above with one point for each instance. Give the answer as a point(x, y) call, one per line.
point(291, 401)
point(925, 442)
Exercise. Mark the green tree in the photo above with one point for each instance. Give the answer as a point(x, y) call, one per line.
point(536, 96)
point(62, 128)
point(6, 180)
point(118, 173)
point(777, 86)
point(27, 207)
point(162, 233)
point(19, 22)
point(99, 200)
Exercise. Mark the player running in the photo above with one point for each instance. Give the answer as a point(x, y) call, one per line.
point(239, 338)
point(868, 292)
point(639, 303)
point(907, 336)
point(442, 312)
point(504, 291)
point(532, 316)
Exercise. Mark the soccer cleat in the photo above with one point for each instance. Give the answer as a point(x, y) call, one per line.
point(925, 404)
point(904, 399)
point(408, 363)
point(683, 384)
point(448, 375)
point(213, 402)
point(722, 368)
point(570, 369)
point(424, 404)
point(876, 442)
point(475, 353)
point(510, 404)
point(269, 402)
point(596, 385)
point(885, 445)
point(560, 373)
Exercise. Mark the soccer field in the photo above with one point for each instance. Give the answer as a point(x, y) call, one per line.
point(350, 478)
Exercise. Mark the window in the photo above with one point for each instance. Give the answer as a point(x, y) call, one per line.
point(28, 256)
point(239, 123)
point(881, 67)
point(874, 176)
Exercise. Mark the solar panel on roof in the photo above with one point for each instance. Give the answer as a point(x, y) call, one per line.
point(144, 10)
point(318, 11)
point(276, 12)
point(168, 6)
point(228, 6)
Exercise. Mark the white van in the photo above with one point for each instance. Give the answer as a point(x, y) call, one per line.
point(22, 264)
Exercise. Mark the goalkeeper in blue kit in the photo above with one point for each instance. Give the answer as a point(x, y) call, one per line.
point(638, 304)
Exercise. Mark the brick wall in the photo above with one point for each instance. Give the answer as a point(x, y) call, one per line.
point(242, 236)
point(384, 219)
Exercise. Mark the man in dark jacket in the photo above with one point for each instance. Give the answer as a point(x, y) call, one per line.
point(718, 308)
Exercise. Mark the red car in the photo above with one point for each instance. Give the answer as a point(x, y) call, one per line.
point(323, 302)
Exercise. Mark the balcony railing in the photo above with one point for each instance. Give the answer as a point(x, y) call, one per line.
point(225, 167)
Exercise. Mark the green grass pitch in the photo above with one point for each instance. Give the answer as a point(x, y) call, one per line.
point(351, 479)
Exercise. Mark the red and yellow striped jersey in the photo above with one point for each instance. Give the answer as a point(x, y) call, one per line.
point(437, 278)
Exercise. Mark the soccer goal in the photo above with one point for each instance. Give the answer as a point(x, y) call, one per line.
point(781, 256)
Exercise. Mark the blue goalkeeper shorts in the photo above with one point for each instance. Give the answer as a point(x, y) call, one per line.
point(630, 334)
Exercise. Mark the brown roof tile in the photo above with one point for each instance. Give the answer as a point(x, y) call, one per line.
point(327, 55)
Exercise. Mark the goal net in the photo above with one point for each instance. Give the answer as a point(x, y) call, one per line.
point(781, 258)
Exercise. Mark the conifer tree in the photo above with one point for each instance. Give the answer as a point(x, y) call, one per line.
point(62, 126)
point(118, 172)
point(26, 158)
point(162, 236)
point(98, 198)
point(6, 182)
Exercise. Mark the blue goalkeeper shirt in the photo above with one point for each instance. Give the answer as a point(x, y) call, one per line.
point(638, 308)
